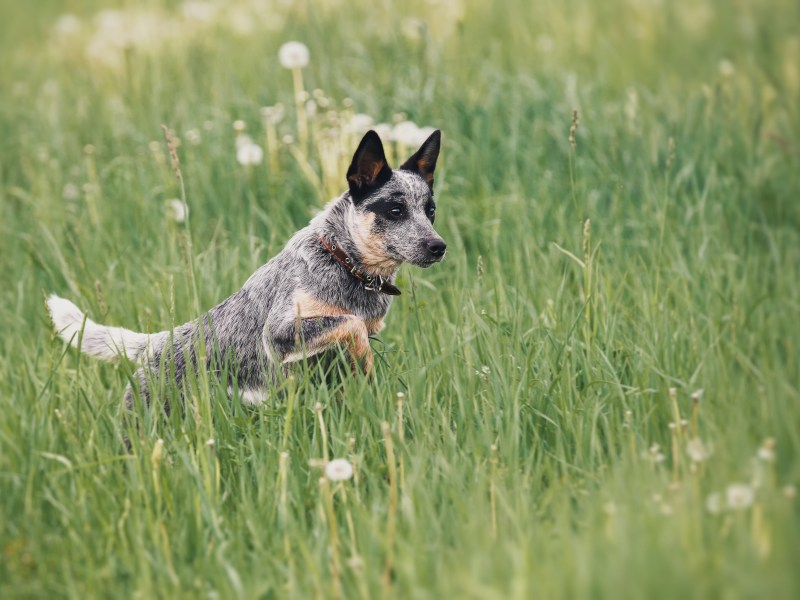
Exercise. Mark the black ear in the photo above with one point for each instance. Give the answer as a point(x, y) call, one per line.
point(423, 162)
point(369, 169)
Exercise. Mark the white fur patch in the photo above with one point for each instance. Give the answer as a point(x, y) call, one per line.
point(98, 341)
point(252, 397)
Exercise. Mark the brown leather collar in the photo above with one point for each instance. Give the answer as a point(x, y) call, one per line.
point(372, 283)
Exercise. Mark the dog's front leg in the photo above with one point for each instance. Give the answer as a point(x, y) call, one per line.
point(302, 338)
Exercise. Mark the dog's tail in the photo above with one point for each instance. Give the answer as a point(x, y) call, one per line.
point(98, 341)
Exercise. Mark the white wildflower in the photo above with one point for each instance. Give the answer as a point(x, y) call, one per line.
point(249, 154)
point(194, 137)
point(384, 131)
point(767, 450)
point(406, 133)
point(311, 109)
point(272, 115)
point(288, 139)
point(211, 443)
point(177, 210)
point(697, 450)
point(239, 126)
point(655, 454)
point(359, 123)
point(293, 55)
point(714, 504)
point(339, 469)
point(739, 496)
point(697, 395)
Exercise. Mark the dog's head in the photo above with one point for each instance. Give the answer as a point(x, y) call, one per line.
point(392, 220)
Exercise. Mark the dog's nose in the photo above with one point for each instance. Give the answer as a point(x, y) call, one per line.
point(436, 247)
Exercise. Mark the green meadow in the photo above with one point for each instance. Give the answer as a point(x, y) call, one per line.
point(595, 395)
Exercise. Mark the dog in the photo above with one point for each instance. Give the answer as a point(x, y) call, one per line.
point(331, 286)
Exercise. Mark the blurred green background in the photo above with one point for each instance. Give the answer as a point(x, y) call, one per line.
point(601, 381)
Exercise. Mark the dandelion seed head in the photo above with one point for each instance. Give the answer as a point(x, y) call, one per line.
point(288, 139)
point(311, 108)
point(384, 131)
point(359, 123)
point(293, 55)
point(697, 395)
point(697, 450)
point(767, 450)
point(339, 469)
point(239, 126)
point(194, 137)
point(739, 496)
point(177, 210)
point(249, 154)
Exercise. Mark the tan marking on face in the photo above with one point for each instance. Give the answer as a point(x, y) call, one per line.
point(371, 248)
point(307, 306)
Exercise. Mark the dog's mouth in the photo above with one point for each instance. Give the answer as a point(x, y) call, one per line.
point(427, 261)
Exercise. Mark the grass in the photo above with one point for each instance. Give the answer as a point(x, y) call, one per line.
point(532, 454)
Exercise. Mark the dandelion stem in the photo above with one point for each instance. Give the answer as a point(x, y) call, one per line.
point(327, 495)
point(322, 431)
point(302, 122)
point(391, 520)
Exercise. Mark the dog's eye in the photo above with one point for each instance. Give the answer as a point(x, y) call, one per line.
point(395, 212)
point(432, 213)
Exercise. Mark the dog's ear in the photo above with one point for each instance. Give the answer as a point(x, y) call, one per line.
point(423, 162)
point(369, 169)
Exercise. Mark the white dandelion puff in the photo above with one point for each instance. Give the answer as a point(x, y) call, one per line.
point(293, 55)
point(194, 137)
point(739, 496)
point(405, 133)
point(697, 450)
point(384, 131)
point(359, 123)
point(249, 154)
point(655, 454)
point(177, 210)
point(338, 469)
point(767, 450)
